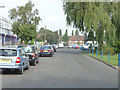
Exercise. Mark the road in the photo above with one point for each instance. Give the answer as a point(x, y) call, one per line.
point(68, 68)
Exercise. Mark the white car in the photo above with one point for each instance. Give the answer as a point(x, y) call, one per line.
point(70, 46)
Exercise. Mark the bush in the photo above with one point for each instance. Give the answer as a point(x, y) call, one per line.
point(107, 49)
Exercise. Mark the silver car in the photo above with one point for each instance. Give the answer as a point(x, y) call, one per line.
point(12, 58)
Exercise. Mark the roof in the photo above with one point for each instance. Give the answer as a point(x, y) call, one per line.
point(76, 38)
point(9, 48)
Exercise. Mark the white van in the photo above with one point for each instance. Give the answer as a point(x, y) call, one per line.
point(88, 44)
point(60, 45)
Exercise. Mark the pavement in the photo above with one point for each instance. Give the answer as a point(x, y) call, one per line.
point(68, 68)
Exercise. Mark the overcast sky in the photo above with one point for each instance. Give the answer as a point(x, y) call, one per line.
point(50, 11)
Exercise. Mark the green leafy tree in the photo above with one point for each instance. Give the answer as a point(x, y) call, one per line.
point(27, 32)
point(100, 17)
point(76, 33)
point(60, 32)
point(25, 21)
point(66, 37)
point(72, 32)
point(51, 37)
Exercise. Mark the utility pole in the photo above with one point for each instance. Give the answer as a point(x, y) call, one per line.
point(45, 35)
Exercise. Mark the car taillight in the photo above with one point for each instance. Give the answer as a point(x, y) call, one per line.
point(49, 50)
point(33, 54)
point(41, 50)
point(18, 60)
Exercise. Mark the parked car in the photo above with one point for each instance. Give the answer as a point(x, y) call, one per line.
point(31, 52)
point(46, 51)
point(89, 44)
point(12, 58)
point(54, 47)
point(60, 45)
point(70, 46)
point(76, 46)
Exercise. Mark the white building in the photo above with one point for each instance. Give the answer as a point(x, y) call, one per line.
point(6, 35)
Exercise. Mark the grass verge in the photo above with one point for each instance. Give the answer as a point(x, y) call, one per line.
point(113, 58)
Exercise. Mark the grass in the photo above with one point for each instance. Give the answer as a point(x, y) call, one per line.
point(113, 58)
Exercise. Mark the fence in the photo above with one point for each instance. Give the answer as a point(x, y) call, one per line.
point(112, 59)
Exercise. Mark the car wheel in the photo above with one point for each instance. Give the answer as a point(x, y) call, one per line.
point(38, 61)
point(34, 64)
point(51, 55)
point(21, 70)
point(28, 66)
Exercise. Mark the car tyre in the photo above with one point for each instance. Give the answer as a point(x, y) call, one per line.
point(28, 66)
point(34, 64)
point(51, 55)
point(21, 70)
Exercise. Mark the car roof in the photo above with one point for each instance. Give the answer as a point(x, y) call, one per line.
point(26, 45)
point(9, 48)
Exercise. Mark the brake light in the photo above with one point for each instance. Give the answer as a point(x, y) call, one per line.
point(49, 50)
point(41, 50)
point(33, 54)
point(18, 60)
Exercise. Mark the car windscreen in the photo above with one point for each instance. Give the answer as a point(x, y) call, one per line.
point(86, 43)
point(45, 47)
point(27, 49)
point(8, 52)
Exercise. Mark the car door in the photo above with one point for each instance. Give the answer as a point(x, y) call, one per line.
point(36, 53)
point(23, 58)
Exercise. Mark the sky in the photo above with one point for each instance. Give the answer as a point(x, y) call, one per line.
point(50, 11)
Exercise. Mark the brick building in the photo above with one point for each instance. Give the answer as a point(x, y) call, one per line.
point(76, 40)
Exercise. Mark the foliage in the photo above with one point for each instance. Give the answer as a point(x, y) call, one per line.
point(66, 37)
point(25, 21)
point(76, 33)
point(27, 32)
point(100, 17)
point(72, 32)
point(107, 49)
point(91, 35)
point(60, 32)
point(51, 37)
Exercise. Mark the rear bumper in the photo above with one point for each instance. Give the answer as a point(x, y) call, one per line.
point(10, 67)
point(45, 53)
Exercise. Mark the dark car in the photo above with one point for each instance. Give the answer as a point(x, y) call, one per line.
point(32, 53)
point(46, 51)
point(54, 47)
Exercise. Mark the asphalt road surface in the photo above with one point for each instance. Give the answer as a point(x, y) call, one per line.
point(68, 68)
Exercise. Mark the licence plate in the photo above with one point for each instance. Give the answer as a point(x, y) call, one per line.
point(5, 61)
point(45, 51)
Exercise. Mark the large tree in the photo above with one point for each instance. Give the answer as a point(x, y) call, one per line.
point(51, 37)
point(72, 32)
point(76, 33)
point(65, 36)
point(96, 16)
point(23, 16)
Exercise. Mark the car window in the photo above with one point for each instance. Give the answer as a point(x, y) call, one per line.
point(45, 47)
point(8, 52)
point(27, 49)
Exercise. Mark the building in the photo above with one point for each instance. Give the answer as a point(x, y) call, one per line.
point(76, 40)
point(6, 35)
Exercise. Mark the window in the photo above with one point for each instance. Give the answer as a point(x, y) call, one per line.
point(8, 52)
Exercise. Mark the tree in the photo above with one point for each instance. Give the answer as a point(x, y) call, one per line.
point(51, 37)
point(85, 36)
point(60, 32)
point(96, 16)
point(91, 35)
point(25, 21)
point(72, 32)
point(27, 32)
point(66, 37)
point(76, 33)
